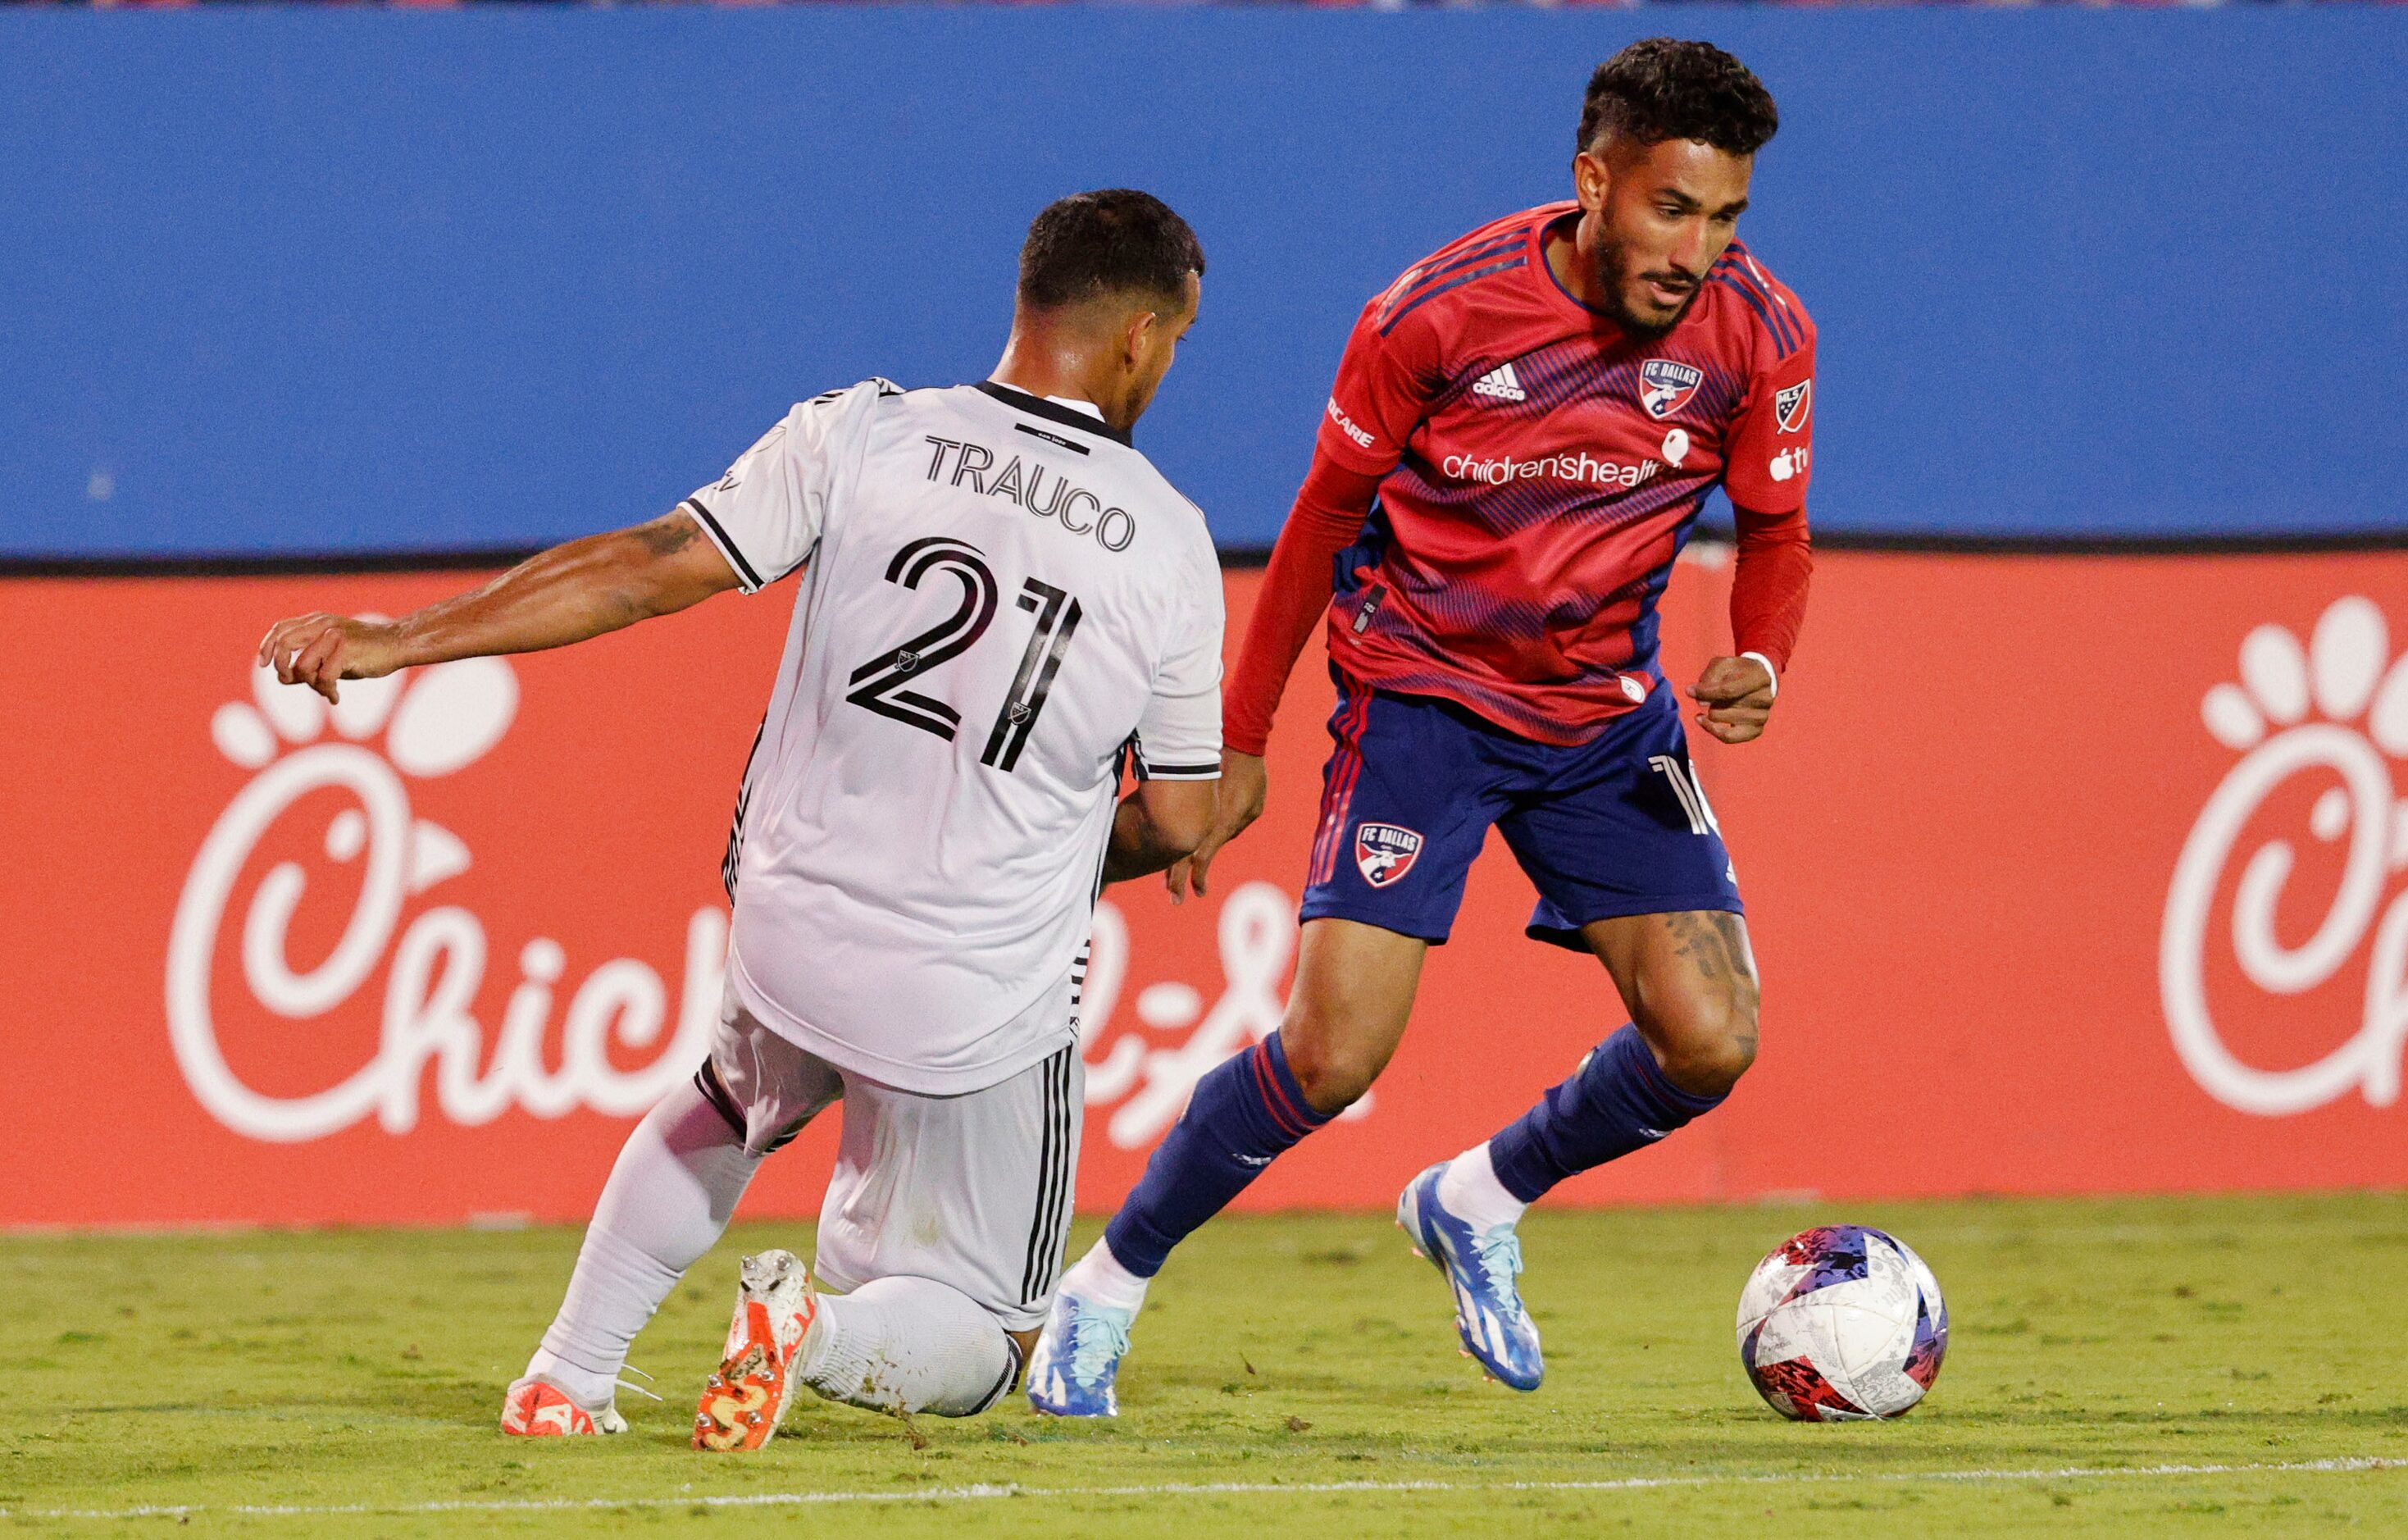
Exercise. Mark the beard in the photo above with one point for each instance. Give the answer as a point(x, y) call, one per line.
point(1615, 278)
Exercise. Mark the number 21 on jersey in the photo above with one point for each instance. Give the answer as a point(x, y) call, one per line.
point(881, 684)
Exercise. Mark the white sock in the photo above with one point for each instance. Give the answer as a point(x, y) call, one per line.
point(908, 1345)
point(1100, 1276)
point(1471, 1191)
point(675, 1181)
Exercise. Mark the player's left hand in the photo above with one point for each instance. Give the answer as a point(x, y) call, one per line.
point(1736, 695)
point(1237, 801)
point(320, 650)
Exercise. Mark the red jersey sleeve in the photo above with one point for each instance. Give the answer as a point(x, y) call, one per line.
point(1385, 381)
point(1327, 518)
point(1772, 454)
point(1769, 463)
point(1768, 582)
point(1384, 384)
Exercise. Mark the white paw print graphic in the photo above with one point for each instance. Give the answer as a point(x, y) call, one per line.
point(446, 716)
point(436, 720)
point(429, 1044)
point(2332, 709)
point(2340, 673)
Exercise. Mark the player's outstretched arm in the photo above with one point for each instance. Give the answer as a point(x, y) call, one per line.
point(566, 594)
point(1156, 825)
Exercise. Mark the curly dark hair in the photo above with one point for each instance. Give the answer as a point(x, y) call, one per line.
point(1665, 88)
point(1114, 241)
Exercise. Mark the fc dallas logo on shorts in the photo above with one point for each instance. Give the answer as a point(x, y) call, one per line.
point(1665, 386)
point(1384, 851)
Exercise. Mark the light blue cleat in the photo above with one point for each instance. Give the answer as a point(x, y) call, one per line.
point(1078, 1357)
point(1481, 1268)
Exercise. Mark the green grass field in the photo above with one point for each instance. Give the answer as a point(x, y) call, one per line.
point(2193, 1366)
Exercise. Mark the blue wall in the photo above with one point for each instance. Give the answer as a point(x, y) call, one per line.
point(288, 280)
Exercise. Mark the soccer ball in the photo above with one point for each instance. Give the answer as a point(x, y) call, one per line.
point(1841, 1323)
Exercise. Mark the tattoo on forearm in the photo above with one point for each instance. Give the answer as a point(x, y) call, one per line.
point(666, 535)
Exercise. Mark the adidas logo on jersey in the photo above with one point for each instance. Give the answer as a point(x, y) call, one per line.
point(1500, 384)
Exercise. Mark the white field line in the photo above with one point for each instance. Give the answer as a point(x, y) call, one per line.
point(983, 1492)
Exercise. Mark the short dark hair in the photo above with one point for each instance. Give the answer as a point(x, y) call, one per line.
point(1114, 241)
point(1667, 89)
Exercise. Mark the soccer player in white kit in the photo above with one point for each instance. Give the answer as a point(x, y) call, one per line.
point(1003, 604)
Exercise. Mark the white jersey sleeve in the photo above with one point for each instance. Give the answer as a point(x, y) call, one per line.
point(767, 513)
point(1179, 737)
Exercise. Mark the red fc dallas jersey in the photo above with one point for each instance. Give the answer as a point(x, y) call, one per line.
point(1542, 469)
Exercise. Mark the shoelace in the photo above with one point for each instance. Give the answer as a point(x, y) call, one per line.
point(1500, 1258)
point(626, 1384)
point(1096, 1341)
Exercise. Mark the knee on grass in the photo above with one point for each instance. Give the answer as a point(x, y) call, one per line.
point(906, 1344)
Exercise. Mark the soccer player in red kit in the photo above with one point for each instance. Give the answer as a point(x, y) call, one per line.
point(1523, 428)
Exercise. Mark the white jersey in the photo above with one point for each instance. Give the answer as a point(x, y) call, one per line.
point(1002, 600)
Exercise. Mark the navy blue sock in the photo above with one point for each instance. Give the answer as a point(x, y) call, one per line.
point(1612, 1105)
point(1242, 1115)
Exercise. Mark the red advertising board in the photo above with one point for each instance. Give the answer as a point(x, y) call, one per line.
point(2064, 874)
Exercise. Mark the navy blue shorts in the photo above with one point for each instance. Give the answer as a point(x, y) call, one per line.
point(1616, 825)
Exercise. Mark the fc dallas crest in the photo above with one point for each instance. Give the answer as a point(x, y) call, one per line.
point(1384, 852)
point(1664, 386)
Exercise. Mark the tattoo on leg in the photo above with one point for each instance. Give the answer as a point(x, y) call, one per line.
point(1715, 944)
point(1733, 938)
point(1693, 942)
point(1712, 944)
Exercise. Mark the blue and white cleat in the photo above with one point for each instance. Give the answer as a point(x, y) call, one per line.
point(1078, 1357)
point(1481, 1268)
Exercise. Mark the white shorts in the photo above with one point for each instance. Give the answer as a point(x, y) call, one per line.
point(970, 1190)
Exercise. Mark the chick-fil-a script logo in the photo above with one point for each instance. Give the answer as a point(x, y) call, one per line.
point(1257, 934)
point(383, 736)
point(2333, 710)
point(432, 723)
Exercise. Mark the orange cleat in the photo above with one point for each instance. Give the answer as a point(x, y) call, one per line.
point(537, 1408)
point(742, 1402)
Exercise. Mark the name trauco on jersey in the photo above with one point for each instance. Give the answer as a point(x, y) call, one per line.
point(1033, 487)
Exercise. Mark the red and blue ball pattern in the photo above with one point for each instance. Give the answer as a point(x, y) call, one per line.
point(1842, 1323)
